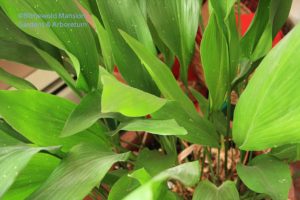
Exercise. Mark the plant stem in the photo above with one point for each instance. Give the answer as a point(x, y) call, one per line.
point(212, 174)
point(226, 141)
point(202, 163)
point(218, 162)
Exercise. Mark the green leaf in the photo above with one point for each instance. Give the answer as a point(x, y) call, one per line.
point(122, 187)
point(83, 168)
point(288, 152)
point(126, 15)
point(216, 70)
point(141, 175)
point(32, 176)
point(164, 193)
point(256, 29)
point(31, 54)
point(13, 159)
point(176, 23)
point(267, 175)
point(263, 46)
point(105, 45)
point(202, 101)
point(74, 36)
point(161, 74)
point(271, 117)
point(84, 115)
point(153, 161)
point(208, 191)
point(160, 127)
point(279, 13)
point(7, 140)
point(22, 54)
point(15, 81)
point(113, 176)
point(118, 97)
point(200, 131)
point(41, 117)
point(169, 56)
point(226, 20)
point(229, 7)
point(187, 173)
point(9, 131)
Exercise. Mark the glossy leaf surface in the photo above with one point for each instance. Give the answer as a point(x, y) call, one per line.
point(267, 175)
point(271, 117)
point(32, 176)
point(13, 159)
point(129, 101)
point(187, 173)
point(216, 70)
point(83, 168)
point(176, 23)
point(208, 191)
point(200, 131)
point(126, 15)
point(41, 117)
point(77, 40)
point(160, 127)
point(15, 81)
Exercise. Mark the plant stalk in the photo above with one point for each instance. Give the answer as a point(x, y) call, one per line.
point(212, 174)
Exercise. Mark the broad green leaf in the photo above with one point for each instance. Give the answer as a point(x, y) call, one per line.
point(12, 160)
point(216, 70)
point(141, 175)
point(22, 54)
point(7, 140)
point(288, 152)
point(160, 127)
point(208, 191)
point(31, 54)
point(122, 187)
point(233, 41)
point(279, 13)
point(164, 193)
point(41, 117)
point(200, 131)
point(264, 44)
point(84, 115)
point(271, 117)
point(15, 81)
point(161, 74)
point(229, 7)
point(267, 175)
point(8, 130)
point(73, 35)
point(126, 15)
point(226, 20)
point(202, 101)
point(105, 45)
point(113, 176)
point(187, 173)
point(32, 176)
point(256, 29)
point(143, 7)
point(176, 23)
point(129, 101)
point(169, 56)
point(83, 168)
point(153, 161)
point(91, 7)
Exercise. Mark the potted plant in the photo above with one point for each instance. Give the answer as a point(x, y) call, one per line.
point(119, 63)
